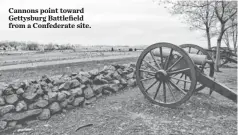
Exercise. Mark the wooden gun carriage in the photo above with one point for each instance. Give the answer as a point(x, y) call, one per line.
point(168, 75)
point(226, 55)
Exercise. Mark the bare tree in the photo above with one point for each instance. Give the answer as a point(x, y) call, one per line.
point(198, 14)
point(224, 10)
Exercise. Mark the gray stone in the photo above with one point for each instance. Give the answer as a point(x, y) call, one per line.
point(14, 86)
point(11, 99)
point(116, 81)
point(21, 115)
point(110, 67)
point(64, 104)
point(2, 101)
point(131, 82)
point(8, 91)
point(32, 106)
point(123, 81)
point(97, 89)
point(50, 85)
point(76, 91)
point(129, 76)
point(12, 124)
point(66, 92)
point(120, 71)
point(94, 72)
point(30, 96)
point(65, 86)
point(41, 103)
point(54, 107)
point(78, 101)
point(83, 79)
point(46, 79)
point(44, 115)
point(46, 97)
point(113, 88)
point(116, 76)
point(55, 89)
point(88, 92)
point(58, 82)
point(19, 91)
point(74, 83)
point(107, 77)
point(83, 86)
point(3, 124)
point(32, 88)
point(24, 84)
point(21, 105)
point(3, 86)
point(5, 109)
point(61, 96)
point(70, 100)
point(90, 101)
point(18, 126)
point(40, 92)
point(99, 80)
point(52, 96)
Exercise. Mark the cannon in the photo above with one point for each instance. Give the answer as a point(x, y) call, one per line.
point(168, 75)
point(226, 55)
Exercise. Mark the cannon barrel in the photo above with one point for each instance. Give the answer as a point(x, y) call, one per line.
point(197, 59)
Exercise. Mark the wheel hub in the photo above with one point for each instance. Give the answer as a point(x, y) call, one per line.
point(161, 75)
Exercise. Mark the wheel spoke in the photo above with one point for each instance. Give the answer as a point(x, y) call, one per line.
point(151, 85)
point(161, 57)
point(179, 71)
point(151, 53)
point(198, 51)
point(167, 60)
point(170, 89)
point(164, 87)
point(157, 90)
point(150, 65)
point(185, 83)
point(153, 73)
point(174, 64)
point(147, 78)
point(180, 79)
point(175, 86)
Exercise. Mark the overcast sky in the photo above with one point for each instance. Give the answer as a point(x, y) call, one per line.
point(113, 22)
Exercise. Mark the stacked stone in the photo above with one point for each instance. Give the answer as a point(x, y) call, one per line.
point(50, 95)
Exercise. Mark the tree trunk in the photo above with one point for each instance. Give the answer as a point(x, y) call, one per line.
point(219, 39)
point(208, 39)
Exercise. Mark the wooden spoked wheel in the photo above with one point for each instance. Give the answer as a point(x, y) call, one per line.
point(157, 71)
point(207, 68)
point(224, 54)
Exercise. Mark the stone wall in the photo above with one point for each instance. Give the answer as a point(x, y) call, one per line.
point(40, 99)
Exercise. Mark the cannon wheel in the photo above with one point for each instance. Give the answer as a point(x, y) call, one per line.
point(224, 53)
point(162, 70)
point(191, 48)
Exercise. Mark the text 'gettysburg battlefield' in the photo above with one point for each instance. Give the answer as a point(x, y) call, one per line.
point(47, 18)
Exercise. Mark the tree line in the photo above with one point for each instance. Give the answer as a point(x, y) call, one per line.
point(217, 19)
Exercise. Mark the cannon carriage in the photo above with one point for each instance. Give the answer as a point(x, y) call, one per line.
point(168, 75)
point(226, 55)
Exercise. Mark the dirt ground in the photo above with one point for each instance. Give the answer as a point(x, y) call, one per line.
point(129, 113)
